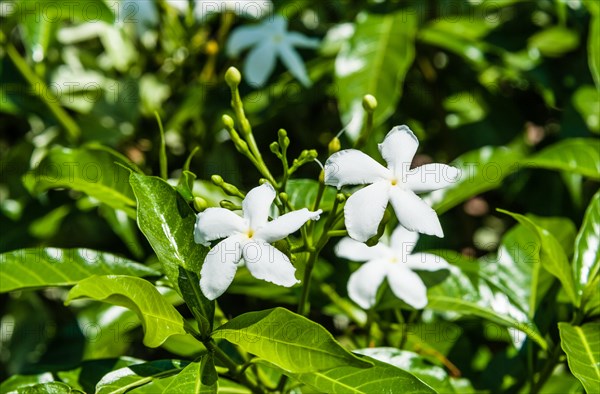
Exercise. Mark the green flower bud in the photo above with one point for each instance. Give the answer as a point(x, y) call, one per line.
point(200, 204)
point(334, 145)
point(228, 205)
point(283, 197)
point(217, 180)
point(340, 197)
point(275, 148)
point(282, 133)
point(322, 177)
point(231, 190)
point(369, 103)
point(227, 121)
point(233, 77)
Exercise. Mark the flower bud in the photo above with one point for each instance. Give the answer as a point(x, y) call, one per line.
point(334, 145)
point(282, 133)
point(274, 148)
point(211, 48)
point(228, 205)
point(200, 204)
point(233, 77)
point(340, 197)
point(217, 180)
point(283, 197)
point(227, 121)
point(369, 103)
point(322, 177)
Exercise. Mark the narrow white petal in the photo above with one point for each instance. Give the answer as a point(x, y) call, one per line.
point(407, 286)
point(256, 205)
point(268, 263)
point(364, 210)
point(294, 63)
point(285, 225)
point(244, 37)
point(353, 167)
point(276, 25)
point(220, 265)
point(300, 40)
point(403, 240)
point(414, 214)
point(216, 223)
point(426, 262)
point(364, 283)
point(260, 63)
point(398, 149)
point(357, 251)
point(430, 177)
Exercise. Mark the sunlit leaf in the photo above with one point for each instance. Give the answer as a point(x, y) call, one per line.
point(159, 318)
point(582, 345)
point(586, 260)
point(303, 192)
point(128, 378)
point(579, 155)
point(586, 100)
point(554, 41)
point(197, 377)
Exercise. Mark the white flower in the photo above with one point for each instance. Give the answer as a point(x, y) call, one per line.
point(396, 184)
point(270, 40)
point(247, 238)
point(394, 263)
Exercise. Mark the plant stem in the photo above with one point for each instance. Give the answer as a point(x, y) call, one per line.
point(41, 90)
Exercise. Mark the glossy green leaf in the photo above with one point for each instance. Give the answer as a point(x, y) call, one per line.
point(303, 192)
point(168, 222)
point(47, 388)
point(481, 170)
point(593, 45)
point(590, 300)
point(578, 155)
point(586, 259)
point(43, 267)
point(159, 318)
point(434, 376)
point(198, 377)
point(552, 255)
point(554, 41)
point(582, 346)
point(17, 381)
point(91, 170)
point(380, 378)
point(375, 61)
point(125, 379)
point(586, 101)
point(442, 35)
point(185, 186)
point(287, 340)
point(89, 372)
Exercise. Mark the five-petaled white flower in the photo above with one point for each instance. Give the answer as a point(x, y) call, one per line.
point(394, 262)
point(396, 184)
point(270, 40)
point(247, 238)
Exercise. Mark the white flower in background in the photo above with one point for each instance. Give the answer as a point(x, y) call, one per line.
point(203, 9)
point(394, 262)
point(396, 184)
point(270, 40)
point(247, 238)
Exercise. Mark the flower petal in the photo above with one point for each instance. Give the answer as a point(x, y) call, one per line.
point(407, 286)
point(268, 263)
point(426, 262)
point(403, 241)
point(256, 205)
point(414, 214)
point(300, 40)
point(260, 63)
point(352, 167)
point(285, 225)
point(364, 210)
point(430, 177)
point(216, 223)
point(220, 265)
point(398, 149)
point(294, 63)
point(353, 250)
point(244, 37)
point(364, 283)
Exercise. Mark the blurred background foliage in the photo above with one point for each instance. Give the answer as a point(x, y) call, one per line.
point(82, 81)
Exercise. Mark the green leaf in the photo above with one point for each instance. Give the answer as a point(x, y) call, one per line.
point(554, 41)
point(47, 388)
point(43, 267)
point(594, 41)
point(586, 260)
point(185, 186)
point(380, 378)
point(586, 101)
point(434, 376)
point(578, 155)
point(198, 377)
point(159, 318)
point(287, 340)
point(17, 381)
point(91, 170)
point(481, 170)
point(303, 192)
point(552, 255)
point(88, 374)
point(375, 61)
point(168, 223)
point(590, 300)
point(128, 378)
point(582, 346)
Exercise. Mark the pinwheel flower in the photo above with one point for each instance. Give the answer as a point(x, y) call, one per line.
point(396, 184)
point(247, 238)
point(394, 262)
point(270, 40)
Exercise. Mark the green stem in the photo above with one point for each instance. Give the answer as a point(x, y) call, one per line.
point(44, 93)
point(162, 154)
point(233, 368)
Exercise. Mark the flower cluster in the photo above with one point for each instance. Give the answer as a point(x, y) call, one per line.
point(247, 239)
